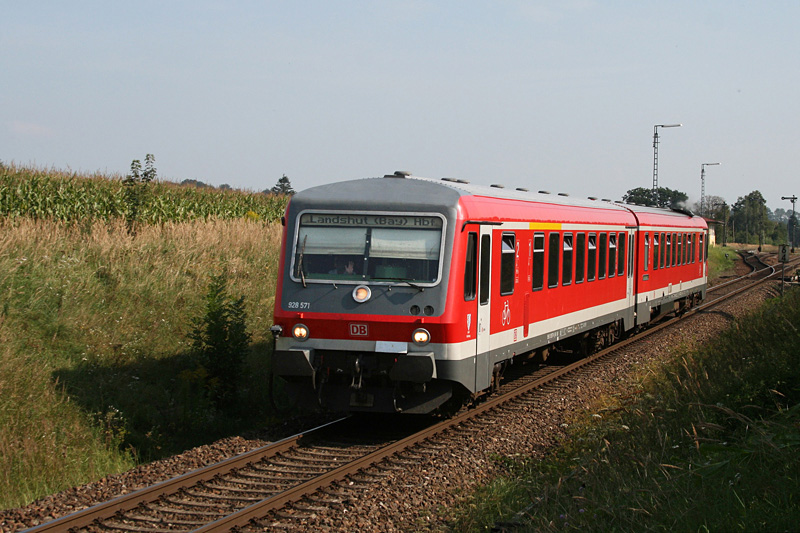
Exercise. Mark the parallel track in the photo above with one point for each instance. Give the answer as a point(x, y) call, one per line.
point(245, 488)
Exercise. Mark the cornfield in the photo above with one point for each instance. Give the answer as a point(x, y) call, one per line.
point(33, 193)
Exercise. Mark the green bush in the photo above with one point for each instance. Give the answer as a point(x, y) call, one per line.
point(221, 340)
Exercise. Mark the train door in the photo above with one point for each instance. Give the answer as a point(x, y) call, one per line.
point(484, 307)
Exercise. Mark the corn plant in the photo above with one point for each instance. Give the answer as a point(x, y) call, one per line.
point(54, 195)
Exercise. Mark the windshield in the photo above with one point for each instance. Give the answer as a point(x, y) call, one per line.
point(368, 247)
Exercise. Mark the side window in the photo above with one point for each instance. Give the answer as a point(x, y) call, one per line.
point(681, 250)
point(566, 262)
point(591, 264)
point(538, 261)
point(580, 257)
point(646, 250)
point(674, 249)
point(486, 261)
point(552, 267)
point(663, 260)
point(603, 251)
point(471, 267)
point(669, 249)
point(686, 256)
point(612, 254)
point(621, 255)
point(508, 257)
point(703, 252)
point(631, 254)
point(655, 250)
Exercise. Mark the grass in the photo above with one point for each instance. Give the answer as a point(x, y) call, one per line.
point(93, 321)
point(720, 259)
point(707, 442)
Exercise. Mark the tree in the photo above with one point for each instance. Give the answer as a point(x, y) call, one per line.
point(284, 186)
point(713, 207)
point(662, 197)
point(750, 218)
point(792, 230)
point(136, 190)
point(194, 183)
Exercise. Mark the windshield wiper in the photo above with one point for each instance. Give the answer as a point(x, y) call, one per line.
point(401, 280)
point(300, 262)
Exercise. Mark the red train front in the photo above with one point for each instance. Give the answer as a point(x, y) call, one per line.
point(404, 294)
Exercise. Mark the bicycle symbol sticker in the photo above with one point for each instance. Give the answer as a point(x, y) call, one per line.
point(506, 314)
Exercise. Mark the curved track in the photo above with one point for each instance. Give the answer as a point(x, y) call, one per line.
point(250, 488)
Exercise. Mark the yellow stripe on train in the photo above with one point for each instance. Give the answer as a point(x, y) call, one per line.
point(545, 226)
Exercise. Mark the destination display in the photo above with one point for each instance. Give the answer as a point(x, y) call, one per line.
point(362, 220)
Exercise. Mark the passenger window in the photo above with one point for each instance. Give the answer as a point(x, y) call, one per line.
point(552, 267)
point(663, 259)
point(655, 251)
point(621, 252)
point(684, 248)
point(674, 248)
point(580, 257)
point(591, 264)
point(612, 254)
point(669, 249)
point(603, 251)
point(471, 267)
point(538, 261)
point(486, 261)
point(566, 263)
point(508, 255)
point(687, 258)
point(631, 252)
point(702, 248)
point(646, 250)
point(692, 244)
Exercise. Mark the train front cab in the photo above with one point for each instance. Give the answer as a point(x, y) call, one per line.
point(368, 285)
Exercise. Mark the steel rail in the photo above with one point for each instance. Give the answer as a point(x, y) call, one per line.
point(130, 501)
point(242, 517)
point(245, 516)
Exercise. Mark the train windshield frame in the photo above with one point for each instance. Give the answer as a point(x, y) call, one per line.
point(368, 247)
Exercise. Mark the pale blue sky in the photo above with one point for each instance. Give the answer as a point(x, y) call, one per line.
point(559, 95)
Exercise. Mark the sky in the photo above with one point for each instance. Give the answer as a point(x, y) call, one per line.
point(549, 95)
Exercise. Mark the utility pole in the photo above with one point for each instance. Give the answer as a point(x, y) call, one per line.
point(703, 187)
point(655, 152)
point(792, 199)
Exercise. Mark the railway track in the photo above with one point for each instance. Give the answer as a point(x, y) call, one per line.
point(248, 491)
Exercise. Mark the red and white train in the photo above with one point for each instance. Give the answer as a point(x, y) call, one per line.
point(407, 294)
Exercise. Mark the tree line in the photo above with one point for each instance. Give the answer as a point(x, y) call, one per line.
point(748, 220)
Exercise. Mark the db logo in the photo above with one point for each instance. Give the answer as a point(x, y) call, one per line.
point(358, 330)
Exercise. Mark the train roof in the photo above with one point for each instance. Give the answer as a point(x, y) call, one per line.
point(402, 189)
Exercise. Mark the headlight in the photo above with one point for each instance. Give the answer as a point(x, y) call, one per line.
point(421, 336)
point(361, 294)
point(300, 332)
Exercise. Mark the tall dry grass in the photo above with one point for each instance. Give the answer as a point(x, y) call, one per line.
point(95, 359)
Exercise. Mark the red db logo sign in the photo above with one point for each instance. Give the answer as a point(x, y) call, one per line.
point(358, 330)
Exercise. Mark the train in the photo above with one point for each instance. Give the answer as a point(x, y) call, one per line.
point(405, 294)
